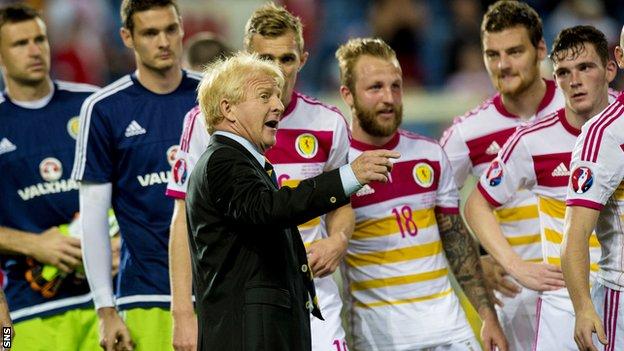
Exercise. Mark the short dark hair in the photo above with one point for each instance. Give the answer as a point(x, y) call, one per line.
point(507, 14)
point(130, 7)
point(17, 12)
point(205, 47)
point(572, 41)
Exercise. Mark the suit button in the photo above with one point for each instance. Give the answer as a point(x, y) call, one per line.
point(304, 268)
point(332, 199)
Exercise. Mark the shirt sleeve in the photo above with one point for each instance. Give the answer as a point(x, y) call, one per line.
point(447, 197)
point(510, 171)
point(94, 146)
point(340, 145)
point(597, 171)
point(193, 143)
point(457, 153)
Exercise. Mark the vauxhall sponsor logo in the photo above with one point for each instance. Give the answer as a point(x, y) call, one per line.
point(51, 171)
point(40, 189)
point(161, 177)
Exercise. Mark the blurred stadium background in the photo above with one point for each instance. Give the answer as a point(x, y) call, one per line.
point(437, 42)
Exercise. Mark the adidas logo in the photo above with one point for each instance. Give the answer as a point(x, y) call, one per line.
point(493, 149)
point(366, 190)
point(561, 171)
point(6, 146)
point(134, 128)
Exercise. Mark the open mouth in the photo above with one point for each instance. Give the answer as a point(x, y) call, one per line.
point(272, 123)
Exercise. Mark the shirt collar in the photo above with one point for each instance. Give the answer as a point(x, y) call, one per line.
point(245, 143)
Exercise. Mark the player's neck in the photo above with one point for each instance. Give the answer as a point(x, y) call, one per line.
point(159, 81)
point(577, 120)
point(357, 133)
point(525, 103)
point(22, 92)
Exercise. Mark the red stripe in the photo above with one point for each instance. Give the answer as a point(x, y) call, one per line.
point(175, 194)
point(285, 149)
point(545, 165)
point(477, 148)
point(447, 210)
point(487, 196)
point(610, 320)
point(601, 129)
point(513, 141)
point(403, 184)
point(584, 203)
point(605, 311)
point(588, 143)
point(188, 128)
point(594, 134)
point(615, 315)
point(538, 314)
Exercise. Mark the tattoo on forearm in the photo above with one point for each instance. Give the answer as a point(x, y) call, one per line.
point(463, 258)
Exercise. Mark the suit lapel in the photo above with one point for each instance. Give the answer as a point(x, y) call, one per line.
point(229, 142)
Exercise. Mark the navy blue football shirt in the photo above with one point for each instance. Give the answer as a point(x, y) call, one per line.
point(129, 137)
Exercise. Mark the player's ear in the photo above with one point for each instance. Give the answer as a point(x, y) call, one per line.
point(346, 95)
point(126, 37)
point(226, 110)
point(542, 51)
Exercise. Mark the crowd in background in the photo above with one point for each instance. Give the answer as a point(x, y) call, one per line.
point(437, 42)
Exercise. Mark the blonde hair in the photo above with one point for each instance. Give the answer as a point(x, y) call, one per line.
point(348, 54)
point(227, 79)
point(273, 21)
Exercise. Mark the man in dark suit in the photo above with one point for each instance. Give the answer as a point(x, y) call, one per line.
point(253, 285)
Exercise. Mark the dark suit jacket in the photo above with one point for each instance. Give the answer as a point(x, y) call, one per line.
point(249, 264)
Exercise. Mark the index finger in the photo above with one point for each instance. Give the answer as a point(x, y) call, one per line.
point(386, 153)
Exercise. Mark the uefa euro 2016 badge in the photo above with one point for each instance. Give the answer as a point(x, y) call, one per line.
point(423, 174)
point(494, 174)
point(51, 169)
point(306, 145)
point(180, 171)
point(73, 127)
point(582, 179)
point(172, 151)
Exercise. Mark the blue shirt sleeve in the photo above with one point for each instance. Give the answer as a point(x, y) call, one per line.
point(350, 183)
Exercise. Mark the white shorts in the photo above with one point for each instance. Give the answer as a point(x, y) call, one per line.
point(555, 327)
point(607, 304)
point(517, 318)
point(328, 335)
point(471, 344)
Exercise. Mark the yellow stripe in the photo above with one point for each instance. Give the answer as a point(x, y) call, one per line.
point(552, 207)
point(505, 215)
point(556, 237)
point(393, 256)
point(388, 225)
point(619, 192)
point(534, 260)
point(557, 261)
point(293, 183)
point(524, 239)
point(404, 301)
point(402, 280)
point(310, 224)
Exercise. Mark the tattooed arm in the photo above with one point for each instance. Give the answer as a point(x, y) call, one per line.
point(463, 257)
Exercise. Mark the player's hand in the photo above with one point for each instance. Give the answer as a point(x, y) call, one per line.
point(538, 276)
point(184, 331)
point(373, 165)
point(588, 322)
point(114, 335)
point(492, 333)
point(53, 248)
point(495, 278)
point(325, 255)
point(115, 254)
